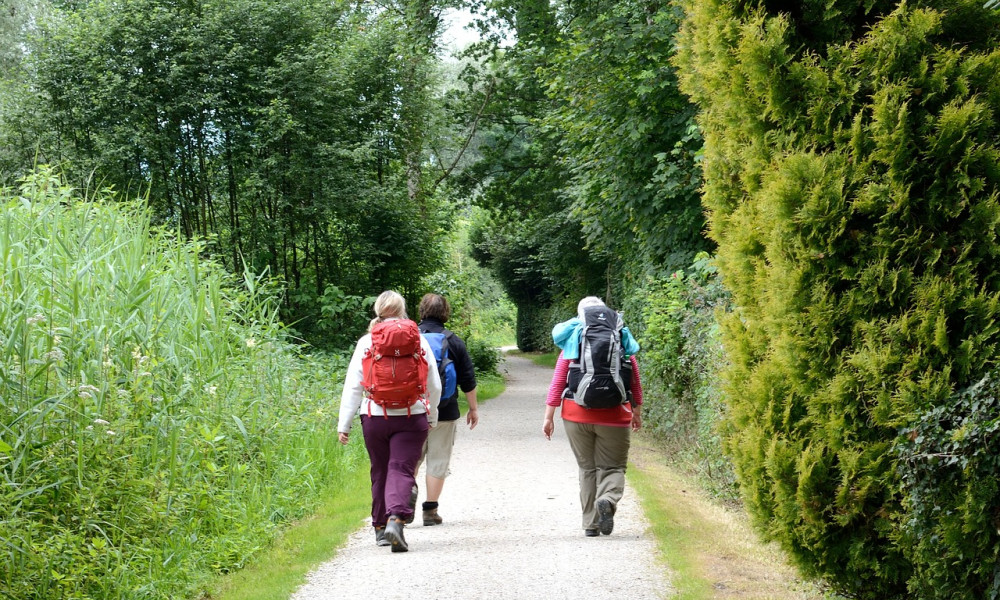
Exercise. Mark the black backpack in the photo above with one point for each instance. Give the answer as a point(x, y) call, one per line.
point(602, 376)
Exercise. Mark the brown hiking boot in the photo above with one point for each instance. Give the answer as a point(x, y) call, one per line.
point(431, 517)
point(394, 534)
point(414, 491)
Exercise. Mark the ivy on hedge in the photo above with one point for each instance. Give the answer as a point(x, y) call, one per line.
point(948, 465)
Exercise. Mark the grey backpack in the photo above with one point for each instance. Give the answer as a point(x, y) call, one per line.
point(602, 376)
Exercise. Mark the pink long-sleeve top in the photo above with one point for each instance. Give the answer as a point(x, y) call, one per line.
point(619, 416)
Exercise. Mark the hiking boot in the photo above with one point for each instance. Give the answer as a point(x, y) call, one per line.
point(394, 534)
point(431, 517)
point(605, 516)
point(380, 537)
point(591, 532)
point(414, 491)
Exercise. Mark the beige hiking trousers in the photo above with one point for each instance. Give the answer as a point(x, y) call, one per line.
point(602, 454)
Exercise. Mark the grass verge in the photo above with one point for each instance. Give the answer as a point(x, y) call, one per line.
point(282, 568)
point(546, 359)
point(710, 549)
point(278, 571)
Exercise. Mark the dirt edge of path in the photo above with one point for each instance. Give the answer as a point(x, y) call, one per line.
point(712, 548)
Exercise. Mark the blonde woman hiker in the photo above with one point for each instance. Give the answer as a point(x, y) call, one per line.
point(393, 382)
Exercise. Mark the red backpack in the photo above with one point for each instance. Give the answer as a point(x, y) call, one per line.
point(394, 370)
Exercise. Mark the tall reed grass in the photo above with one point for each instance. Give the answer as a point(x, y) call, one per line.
point(155, 424)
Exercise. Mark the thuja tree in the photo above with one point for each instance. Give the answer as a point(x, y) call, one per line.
point(852, 182)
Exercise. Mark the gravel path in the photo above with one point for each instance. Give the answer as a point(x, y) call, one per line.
point(511, 523)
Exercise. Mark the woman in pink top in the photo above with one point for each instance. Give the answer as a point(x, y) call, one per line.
point(600, 440)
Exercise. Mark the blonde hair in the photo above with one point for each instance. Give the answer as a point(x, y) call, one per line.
point(388, 305)
point(587, 303)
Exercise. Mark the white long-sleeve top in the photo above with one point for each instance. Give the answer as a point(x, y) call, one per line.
point(353, 400)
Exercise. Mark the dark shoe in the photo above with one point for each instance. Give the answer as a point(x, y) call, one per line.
point(591, 532)
point(380, 537)
point(414, 491)
point(431, 517)
point(394, 534)
point(605, 516)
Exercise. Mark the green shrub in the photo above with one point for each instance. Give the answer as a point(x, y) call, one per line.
point(155, 424)
point(680, 362)
point(852, 178)
point(485, 357)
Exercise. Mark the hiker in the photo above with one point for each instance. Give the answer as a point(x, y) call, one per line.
point(393, 382)
point(596, 381)
point(458, 373)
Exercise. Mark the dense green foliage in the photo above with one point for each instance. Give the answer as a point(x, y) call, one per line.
point(628, 135)
point(155, 424)
point(286, 132)
point(681, 357)
point(481, 314)
point(852, 182)
point(527, 238)
point(591, 180)
point(948, 471)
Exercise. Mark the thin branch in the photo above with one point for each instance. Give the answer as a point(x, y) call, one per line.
point(468, 139)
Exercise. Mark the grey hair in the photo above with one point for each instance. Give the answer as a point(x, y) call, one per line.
point(587, 303)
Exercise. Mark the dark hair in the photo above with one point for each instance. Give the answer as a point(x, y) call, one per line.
point(434, 306)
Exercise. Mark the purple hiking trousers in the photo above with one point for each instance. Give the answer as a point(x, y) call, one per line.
point(394, 445)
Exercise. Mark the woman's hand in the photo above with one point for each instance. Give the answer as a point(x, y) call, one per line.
point(343, 437)
point(548, 425)
point(636, 420)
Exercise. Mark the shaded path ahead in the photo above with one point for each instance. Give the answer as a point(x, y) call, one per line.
point(512, 526)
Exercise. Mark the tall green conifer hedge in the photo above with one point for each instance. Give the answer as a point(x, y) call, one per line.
point(852, 176)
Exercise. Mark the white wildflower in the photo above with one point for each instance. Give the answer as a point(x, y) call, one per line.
point(100, 422)
point(56, 355)
point(123, 394)
point(110, 432)
point(211, 389)
point(88, 391)
point(35, 320)
point(56, 340)
point(251, 342)
point(156, 399)
point(89, 427)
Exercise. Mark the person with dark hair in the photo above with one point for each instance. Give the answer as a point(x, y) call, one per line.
point(456, 371)
point(596, 382)
point(393, 382)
